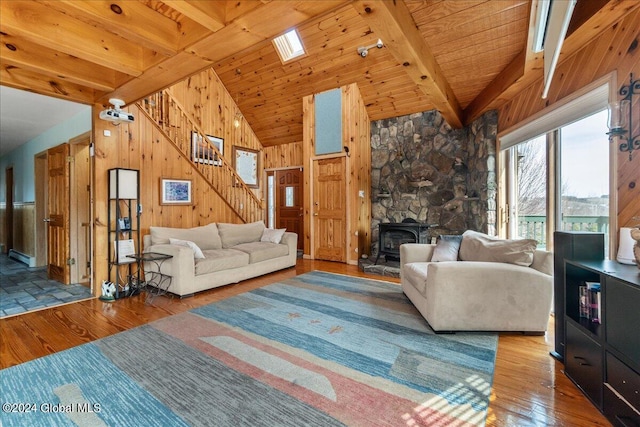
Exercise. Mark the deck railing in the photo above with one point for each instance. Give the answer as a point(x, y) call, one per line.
point(534, 226)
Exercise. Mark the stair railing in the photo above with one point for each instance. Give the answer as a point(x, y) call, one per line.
point(184, 133)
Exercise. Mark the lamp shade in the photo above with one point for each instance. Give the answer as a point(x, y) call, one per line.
point(123, 183)
point(625, 250)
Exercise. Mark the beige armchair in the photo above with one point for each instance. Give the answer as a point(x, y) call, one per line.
point(478, 296)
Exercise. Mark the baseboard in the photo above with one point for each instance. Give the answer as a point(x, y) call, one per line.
point(19, 256)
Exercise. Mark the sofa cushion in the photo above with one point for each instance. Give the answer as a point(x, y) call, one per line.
point(220, 259)
point(446, 248)
point(235, 234)
point(197, 252)
point(262, 251)
point(206, 237)
point(272, 235)
point(416, 274)
point(481, 247)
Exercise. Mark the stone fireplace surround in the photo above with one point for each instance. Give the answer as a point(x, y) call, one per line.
point(423, 169)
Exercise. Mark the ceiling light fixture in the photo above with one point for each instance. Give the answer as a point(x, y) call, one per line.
point(364, 50)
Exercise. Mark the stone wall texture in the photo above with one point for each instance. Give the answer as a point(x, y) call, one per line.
point(424, 170)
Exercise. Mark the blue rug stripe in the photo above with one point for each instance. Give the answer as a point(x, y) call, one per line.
point(260, 321)
point(122, 401)
point(480, 358)
point(346, 283)
point(407, 320)
point(203, 390)
point(412, 320)
point(321, 348)
point(392, 292)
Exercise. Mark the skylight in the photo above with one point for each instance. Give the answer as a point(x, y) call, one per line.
point(289, 45)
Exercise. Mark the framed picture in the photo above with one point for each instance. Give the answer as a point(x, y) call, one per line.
point(246, 162)
point(201, 152)
point(175, 191)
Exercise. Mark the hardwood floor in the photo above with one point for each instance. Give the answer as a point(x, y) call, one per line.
point(529, 386)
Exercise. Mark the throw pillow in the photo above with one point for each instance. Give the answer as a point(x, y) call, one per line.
point(446, 248)
point(206, 237)
point(234, 234)
point(482, 247)
point(272, 235)
point(197, 252)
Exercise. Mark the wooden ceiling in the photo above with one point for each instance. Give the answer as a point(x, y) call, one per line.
point(458, 56)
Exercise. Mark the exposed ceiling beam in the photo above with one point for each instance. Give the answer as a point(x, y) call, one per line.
point(209, 14)
point(505, 87)
point(265, 21)
point(503, 81)
point(131, 20)
point(393, 23)
point(33, 82)
point(262, 23)
point(41, 25)
point(54, 64)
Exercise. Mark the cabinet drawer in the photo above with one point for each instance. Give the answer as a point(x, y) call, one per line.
point(618, 412)
point(622, 320)
point(624, 380)
point(583, 363)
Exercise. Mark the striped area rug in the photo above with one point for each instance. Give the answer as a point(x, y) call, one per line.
point(317, 350)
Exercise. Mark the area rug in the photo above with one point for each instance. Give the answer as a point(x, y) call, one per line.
point(319, 349)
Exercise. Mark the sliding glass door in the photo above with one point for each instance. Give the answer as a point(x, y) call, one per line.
point(530, 203)
point(560, 181)
point(584, 172)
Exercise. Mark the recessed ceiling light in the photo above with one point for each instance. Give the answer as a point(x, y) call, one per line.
point(288, 46)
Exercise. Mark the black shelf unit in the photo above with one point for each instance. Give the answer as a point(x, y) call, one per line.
point(570, 245)
point(603, 359)
point(123, 222)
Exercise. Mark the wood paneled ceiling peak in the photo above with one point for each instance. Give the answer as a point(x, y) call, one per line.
point(462, 57)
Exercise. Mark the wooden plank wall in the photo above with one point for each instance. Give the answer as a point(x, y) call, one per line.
point(356, 130)
point(141, 146)
point(355, 135)
point(283, 156)
point(616, 50)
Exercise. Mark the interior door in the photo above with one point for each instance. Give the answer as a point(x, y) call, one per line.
point(289, 211)
point(58, 213)
point(8, 225)
point(329, 209)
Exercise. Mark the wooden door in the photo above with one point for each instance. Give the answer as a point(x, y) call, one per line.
point(329, 209)
point(8, 224)
point(80, 212)
point(289, 210)
point(58, 213)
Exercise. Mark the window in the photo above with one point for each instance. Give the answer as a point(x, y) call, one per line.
point(559, 178)
point(288, 46)
point(271, 200)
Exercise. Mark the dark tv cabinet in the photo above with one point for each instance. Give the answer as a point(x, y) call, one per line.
point(603, 359)
point(570, 245)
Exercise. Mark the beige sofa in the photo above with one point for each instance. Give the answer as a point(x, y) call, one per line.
point(218, 254)
point(481, 295)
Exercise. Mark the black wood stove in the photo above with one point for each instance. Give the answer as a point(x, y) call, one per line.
point(393, 234)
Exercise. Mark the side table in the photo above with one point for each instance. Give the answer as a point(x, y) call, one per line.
point(157, 283)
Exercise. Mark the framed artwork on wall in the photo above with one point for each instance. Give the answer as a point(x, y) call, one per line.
point(202, 152)
point(246, 162)
point(175, 191)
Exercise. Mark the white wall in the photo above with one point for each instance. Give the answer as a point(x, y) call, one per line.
point(22, 158)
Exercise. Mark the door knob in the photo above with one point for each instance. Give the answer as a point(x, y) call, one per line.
point(315, 214)
point(47, 220)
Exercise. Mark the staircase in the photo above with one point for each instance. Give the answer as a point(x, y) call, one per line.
point(177, 126)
